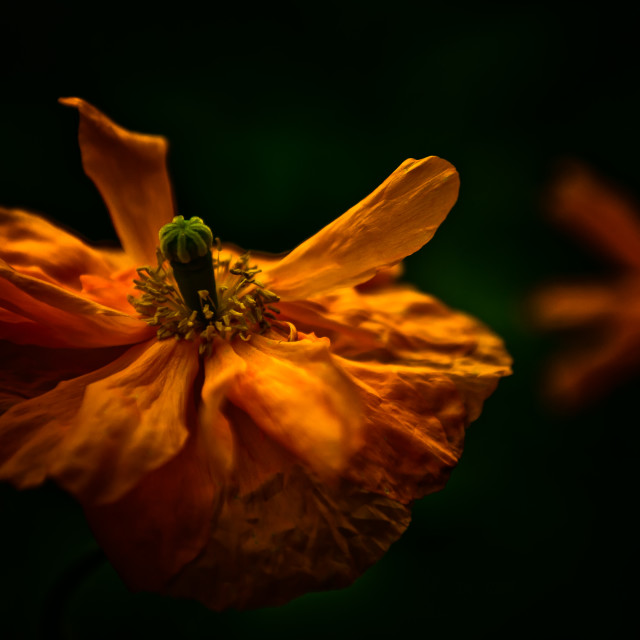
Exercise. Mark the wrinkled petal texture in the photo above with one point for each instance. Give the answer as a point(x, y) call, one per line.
point(99, 434)
point(423, 372)
point(394, 221)
point(280, 532)
point(130, 172)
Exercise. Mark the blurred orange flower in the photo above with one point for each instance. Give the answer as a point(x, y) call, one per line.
point(608, 311)
point(239, 464)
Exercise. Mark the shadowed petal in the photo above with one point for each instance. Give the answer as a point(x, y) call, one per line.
point(130, 172)
point(28, 371)
point(37, 312)
point(281, 533)
point(164, 521)
point(100, 433)
point(298, 396)
point(398, 218)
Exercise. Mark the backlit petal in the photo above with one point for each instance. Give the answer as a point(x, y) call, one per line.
point(298, 396)
point(130, 172)
point(394, 221)
point(99, 434)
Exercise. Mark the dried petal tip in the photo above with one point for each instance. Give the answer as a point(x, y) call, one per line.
point(185, 240)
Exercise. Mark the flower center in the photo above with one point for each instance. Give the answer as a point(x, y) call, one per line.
point(198, 295)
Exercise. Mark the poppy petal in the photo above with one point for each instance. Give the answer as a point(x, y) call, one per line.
point(423, 372)
point(596, 212)
point(281, 533)
point(394, 221)
point(38, 312)
point(129, 169)
point(100, 433)
point(27, 371)
point(33, 246)
point(295, 392)
point(164, 521)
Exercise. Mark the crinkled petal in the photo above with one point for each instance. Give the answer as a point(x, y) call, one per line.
point(281, 533)
point(423, 372)
point(99, 434)
point(298, 396)
point(38, 312)
point(607, 220)
point(130, 172)
point(398, 218)
point(33, 246)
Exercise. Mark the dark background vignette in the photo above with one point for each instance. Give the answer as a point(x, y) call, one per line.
point(278, 122)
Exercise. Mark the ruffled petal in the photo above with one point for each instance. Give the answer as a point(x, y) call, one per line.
point(99, 434)
point(35, 247)
point(422, 371)
point(130, 172)
point(396, 220)
point(590, 208)
point(40, 313)
point(298, 396)
point(281, 533)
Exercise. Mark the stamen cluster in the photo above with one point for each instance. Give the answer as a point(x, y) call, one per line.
point(244, 305)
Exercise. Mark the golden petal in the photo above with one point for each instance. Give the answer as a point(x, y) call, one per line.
point(298, 396)
point(394, 221)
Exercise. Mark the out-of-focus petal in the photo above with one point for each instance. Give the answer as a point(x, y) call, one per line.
point(564, 306)
point(394, 221)
point(38, 312)
point(28, 371)
point(281, 533)
point(581, 377)
point(298, 396)
point(99, 434)
point(594, 211)
point(130, 172)
point(33, 246)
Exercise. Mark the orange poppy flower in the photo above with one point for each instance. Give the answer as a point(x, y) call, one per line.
point(239, 453)
point(607, 311)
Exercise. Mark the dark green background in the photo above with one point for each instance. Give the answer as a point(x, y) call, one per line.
point(279, 121)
